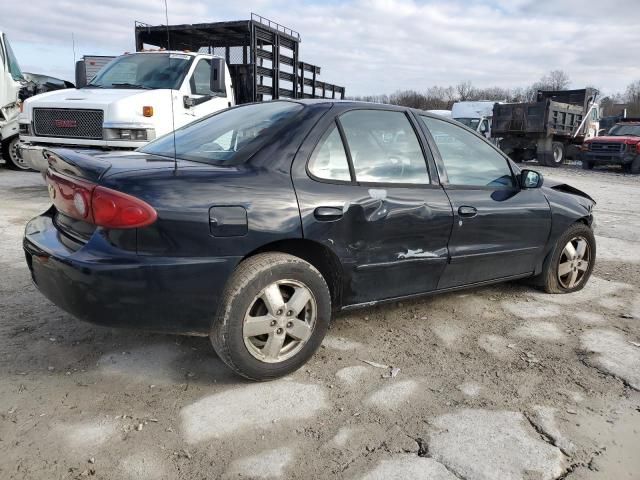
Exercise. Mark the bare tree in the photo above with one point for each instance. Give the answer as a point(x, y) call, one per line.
point(465, 91)
point(555, 80)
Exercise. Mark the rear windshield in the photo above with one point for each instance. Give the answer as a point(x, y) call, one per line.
point(226, 137)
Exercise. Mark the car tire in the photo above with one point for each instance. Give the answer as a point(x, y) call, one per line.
point(587, 165)
point(560, 266)
point(256, 331)
point(11, 157)
point(635, 166)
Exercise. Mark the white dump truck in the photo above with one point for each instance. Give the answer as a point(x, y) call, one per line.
point(140, 96)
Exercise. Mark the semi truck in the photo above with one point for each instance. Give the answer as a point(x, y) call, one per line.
point(178, 74)
point(548, 129)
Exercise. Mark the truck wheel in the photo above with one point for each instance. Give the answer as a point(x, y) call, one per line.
point(273, 316)
point(635, 166)
point(569, 266)
point(586, 165)
point(557, 155)
point(10, 155)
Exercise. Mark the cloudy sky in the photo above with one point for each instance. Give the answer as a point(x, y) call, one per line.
point(370, 46)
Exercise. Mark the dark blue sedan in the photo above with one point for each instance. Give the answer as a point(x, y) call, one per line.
point(254, 225)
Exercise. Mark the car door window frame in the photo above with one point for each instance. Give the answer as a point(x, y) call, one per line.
point(442, 170)
point(325, 134)
point(433, 177)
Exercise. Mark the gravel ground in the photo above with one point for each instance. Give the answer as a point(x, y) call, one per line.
point(494, 383)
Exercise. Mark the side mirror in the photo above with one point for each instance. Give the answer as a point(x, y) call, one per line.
point(81, 74)
point(217, 80)
point(188, 102)
point(531, 179)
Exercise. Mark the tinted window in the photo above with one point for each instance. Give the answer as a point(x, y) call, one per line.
point(384, 147)
point(468, 159)
point(222, 137)
point(329, 160)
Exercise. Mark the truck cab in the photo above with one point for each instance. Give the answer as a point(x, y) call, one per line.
point(476, 115)
point(134, 99)
point(11, 84)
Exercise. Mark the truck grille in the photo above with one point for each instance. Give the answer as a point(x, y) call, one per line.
point(602, 147)
point(68, 123)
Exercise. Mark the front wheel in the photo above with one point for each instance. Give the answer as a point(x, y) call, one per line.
point(273, 316)
point(586, 165)
point(570, 265)
point(10, 155)
point(635, 166)
point(558, 154)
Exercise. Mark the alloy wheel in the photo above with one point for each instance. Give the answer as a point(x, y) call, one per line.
point(279, 321)
point(14, 158)
point(574, 262)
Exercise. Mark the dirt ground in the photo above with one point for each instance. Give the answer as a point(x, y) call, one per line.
point(494, 383)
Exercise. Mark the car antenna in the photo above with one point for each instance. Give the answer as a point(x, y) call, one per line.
point(173, 118)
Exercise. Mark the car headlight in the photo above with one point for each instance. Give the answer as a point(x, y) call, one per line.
point(130, 134)
point(25, 129)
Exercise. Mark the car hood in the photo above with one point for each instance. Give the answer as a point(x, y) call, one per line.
point(87, 97)
point(565, 188)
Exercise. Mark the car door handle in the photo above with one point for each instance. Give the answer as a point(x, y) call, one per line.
point(327, 214)
point(467, 212)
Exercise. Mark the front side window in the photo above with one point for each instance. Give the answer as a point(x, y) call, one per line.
point(227, 136)
point(329, 160)
point(468, 160)
point(201, 78)
point(144, 70)
point(384, 147)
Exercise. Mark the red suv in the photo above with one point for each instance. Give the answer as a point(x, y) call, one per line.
point(620, 147)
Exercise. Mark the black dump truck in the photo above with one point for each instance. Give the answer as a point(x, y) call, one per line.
point(262, 56)
point(549, 129)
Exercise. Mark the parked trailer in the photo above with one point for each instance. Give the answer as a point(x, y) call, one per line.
point(548, 128)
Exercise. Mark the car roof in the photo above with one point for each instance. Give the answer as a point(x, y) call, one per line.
point(360, 104)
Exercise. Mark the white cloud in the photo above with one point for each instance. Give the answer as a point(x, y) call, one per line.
point(371, 46)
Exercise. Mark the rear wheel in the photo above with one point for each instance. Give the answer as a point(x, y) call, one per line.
point(274, 313)
point(557, 157)
point(570, 265)
point(10, 155)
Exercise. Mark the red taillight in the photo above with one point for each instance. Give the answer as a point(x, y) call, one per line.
point(98, 205)
point(114, 209)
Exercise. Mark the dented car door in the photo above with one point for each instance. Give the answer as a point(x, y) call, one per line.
point(369, 192)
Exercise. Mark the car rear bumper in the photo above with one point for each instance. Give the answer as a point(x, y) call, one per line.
point(621, 158)
point(113, 288)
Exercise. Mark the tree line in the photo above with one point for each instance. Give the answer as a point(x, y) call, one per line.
point(443, 98)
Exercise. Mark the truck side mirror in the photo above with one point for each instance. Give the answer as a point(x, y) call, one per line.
point(217, 80)
point(81, 74)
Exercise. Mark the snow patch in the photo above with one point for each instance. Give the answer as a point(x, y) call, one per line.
point(545, 419)
point(264, 465)
point(257, 405)
point(448, 334)
point(614, 354)
point(87, 435)
point(484, 445)
point(391, 396)
point(353, 374)
point(539, 331)
point(142, 466)
point(592, 318)
point(533, 309)
point(496, 346)
point(404, 467)
point(470, 389)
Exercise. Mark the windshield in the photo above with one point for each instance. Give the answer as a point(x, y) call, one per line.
point(224, 136)
point(472, 123)
point(625, 130)
point(12, 61)
point(144, 70)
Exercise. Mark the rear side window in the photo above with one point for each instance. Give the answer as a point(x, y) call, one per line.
point(228, 136)
point(329, 160)
point(384, 147)
point(469, 160)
